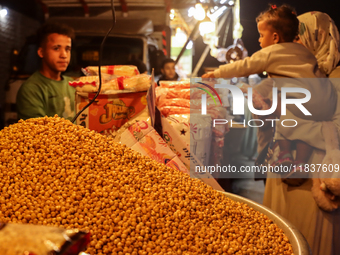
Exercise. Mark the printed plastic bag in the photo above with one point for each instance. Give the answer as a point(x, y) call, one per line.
point(26, 239)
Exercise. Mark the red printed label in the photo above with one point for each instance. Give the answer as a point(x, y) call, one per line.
point(111, 69)
point(110, 112)
point(120, 82)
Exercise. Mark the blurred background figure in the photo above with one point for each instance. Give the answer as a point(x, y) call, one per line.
point(168, 71)
point(135, 61)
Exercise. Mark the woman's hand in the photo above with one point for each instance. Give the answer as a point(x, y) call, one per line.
point(208, 75)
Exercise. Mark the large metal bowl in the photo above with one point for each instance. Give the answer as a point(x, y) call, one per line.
point(296, 239)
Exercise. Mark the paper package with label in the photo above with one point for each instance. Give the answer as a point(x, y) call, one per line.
point(195, 131)
point(110, 111)
point(182, 150)
point(178, 145)
point(143, 138)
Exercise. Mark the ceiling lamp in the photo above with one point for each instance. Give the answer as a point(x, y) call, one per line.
point(172, 14)
point(3, 12)
point(199, 12)
point(207, 26)
point(180, 36)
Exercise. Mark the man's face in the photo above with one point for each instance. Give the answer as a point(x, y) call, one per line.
point(56, 52)
point(169, 70)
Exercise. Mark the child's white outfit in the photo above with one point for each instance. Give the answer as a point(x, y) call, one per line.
point(294, 61)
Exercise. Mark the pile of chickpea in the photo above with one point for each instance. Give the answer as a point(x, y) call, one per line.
point(56, 173)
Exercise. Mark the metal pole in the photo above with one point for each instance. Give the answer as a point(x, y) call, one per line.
point(207, 48)
point(192, 34)
point(226, 32)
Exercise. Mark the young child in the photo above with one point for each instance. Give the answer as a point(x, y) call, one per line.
point(281, 57)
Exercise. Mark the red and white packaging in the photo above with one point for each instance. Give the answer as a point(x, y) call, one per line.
point(175, 84)
point(120, 70)
point(111, 85)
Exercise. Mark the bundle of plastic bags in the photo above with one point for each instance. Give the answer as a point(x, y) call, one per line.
point(178, 101)
point(115, 79)
point(119, 70)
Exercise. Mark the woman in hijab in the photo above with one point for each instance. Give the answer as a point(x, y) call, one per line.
point(319, 34)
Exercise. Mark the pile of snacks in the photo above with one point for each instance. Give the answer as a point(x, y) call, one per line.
point(119, 70)
point(114, 78)
point(179, 97)
point(180, 100)
point(55, 173)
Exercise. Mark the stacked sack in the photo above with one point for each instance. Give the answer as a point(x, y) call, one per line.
point(181, 104)
point(115, 79)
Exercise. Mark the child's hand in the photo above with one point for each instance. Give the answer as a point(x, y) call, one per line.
point(208, 75)
point(267, 100)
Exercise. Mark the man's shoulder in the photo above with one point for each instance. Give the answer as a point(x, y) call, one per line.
point(67, 78)
point(32, 82)
point(40, 80)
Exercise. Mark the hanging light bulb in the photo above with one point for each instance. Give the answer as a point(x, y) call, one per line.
point(191, 11)
point(199, 12)
point(172, 14)
point(180, 36)
point(207, 26)
point(3, 12)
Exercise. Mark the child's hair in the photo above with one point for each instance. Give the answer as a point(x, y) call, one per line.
point(283, 20)
point(52, 27)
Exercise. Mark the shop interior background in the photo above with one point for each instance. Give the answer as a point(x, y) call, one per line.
point(20, 19)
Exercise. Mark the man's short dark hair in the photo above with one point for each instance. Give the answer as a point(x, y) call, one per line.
point(166, 61)
point(52, 27)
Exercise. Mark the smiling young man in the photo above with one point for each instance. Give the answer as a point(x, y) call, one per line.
point(47, 92)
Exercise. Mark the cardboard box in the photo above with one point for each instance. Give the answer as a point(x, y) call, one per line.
point(110, 111)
